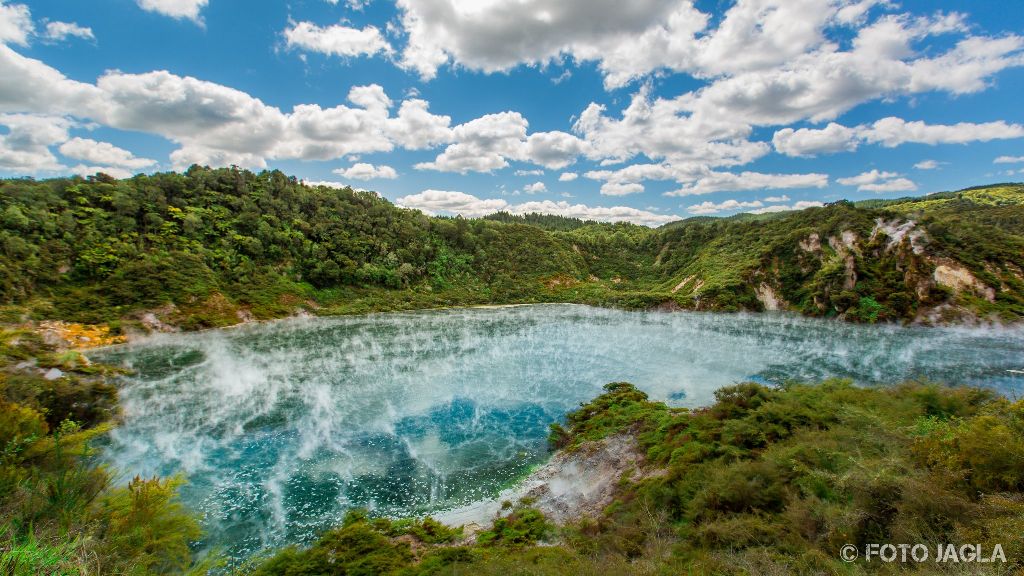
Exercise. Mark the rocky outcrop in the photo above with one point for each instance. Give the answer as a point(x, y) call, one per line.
point(152, 322)
point(686, 281)
point(845, 247)
point(954, 276)
point(898, 232)
point(582, 482)
point(71, 335)
point(769, 298)
point(682, 284)
point(572, 485)
point(812, 243)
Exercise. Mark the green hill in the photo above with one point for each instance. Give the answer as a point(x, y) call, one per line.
point(211, 247)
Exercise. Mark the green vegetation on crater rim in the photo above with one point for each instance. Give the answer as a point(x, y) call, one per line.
point(212, 247)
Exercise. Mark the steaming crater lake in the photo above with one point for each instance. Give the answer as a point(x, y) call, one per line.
point(281, 427)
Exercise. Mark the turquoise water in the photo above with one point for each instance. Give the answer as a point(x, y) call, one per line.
point(282, 427)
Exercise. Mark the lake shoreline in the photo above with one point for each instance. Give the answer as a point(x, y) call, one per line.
point(137, 336)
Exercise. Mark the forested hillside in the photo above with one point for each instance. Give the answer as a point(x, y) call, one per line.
point(213, 247)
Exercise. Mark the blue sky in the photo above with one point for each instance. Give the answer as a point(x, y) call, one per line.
point(645, 111)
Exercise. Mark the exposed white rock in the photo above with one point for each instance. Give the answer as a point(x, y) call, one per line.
point(572, 485)
point(812, 243)
point(897, 232)
point(958, 278)
point(849, 239)
point(154, 324)
point(845, 244)
point(769, 298)
point(682, 284)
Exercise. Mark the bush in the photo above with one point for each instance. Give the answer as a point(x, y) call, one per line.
point(145, 527)
point(986, 452)
point(31, 557)
point(869, 310)
point(742, 487)
point(523, 527)
point(738, 532)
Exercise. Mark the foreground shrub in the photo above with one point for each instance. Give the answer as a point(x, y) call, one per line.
point(59, 513)
point(146, 527)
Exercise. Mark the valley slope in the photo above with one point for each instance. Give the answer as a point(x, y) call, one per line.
point(211, 248)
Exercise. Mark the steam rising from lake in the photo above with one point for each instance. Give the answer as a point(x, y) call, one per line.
point(280, 428)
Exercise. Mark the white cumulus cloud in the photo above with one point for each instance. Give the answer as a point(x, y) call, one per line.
point(451, 202)
point(25, 148)
point(60, 31)
point(188, 9)
point(801, 205)
point(1008, 159)
point(708, 208)
point(365, 171)
point(626, 41)
point(336, 40)
point(879, 181)
point(487, 143)
point(103, 153)
point(535, 188)
point(114, 171)
point(889, 132)
point(218, 125)
point(621, 188)
point(810, 141)
point(731, 182)
point(16, 25)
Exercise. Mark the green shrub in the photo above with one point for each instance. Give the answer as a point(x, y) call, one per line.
point(869, 310)
point(146, 528)
point(520, 528)
point(742, 487)
point(986, 451)
point(740, 531)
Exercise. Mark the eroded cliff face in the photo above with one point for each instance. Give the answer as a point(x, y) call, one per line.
point(943, 258)
point(893, 272)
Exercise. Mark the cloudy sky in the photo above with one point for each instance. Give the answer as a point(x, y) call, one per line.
point(646, 110)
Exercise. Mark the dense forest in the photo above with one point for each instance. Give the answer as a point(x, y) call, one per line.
point(211, 247)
